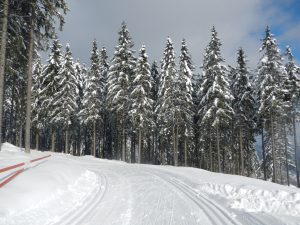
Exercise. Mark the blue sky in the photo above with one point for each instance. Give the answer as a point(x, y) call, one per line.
point(240, 23)
point(285, 24)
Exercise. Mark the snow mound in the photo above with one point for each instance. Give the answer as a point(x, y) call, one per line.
point(7, 147)
point(51, 208)
point(256, 200)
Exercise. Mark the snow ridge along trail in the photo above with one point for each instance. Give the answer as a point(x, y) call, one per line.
point(218, 215)
point(215, 213)
point(76, 215)
point(71, 190)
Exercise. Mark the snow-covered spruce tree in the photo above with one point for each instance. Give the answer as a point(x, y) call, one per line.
point(154, 82)
point(92, 104)
point(272, 108)
point(244, 108)
point(104, 67)
point(199, 159)
point(50, 85)
point(38, 27)
point(120, 74)
point(215, 109)
point(293, 72)
point(81, 76)
point(64, 99)
point(184, 100)
point(15, 61)
point(154, 96)
point(38, 119)
point(166, 110)
point(141, 103)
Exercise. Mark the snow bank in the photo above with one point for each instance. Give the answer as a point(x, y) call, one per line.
point(45, 192)
point(241, 193)
point(256, 200)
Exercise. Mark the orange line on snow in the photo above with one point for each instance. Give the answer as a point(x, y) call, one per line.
point(11, 167)
point(12, 177)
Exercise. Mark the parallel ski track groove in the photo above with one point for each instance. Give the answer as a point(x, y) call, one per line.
point(250, 217)
point(213, 212)
point(217, 211)
point(209, 202)
point(77, 215)
point(254, 220)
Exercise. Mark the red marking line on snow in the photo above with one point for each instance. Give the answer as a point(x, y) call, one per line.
point(16, 173)
point(12, 177)
point(34, 160)
point(11, 167)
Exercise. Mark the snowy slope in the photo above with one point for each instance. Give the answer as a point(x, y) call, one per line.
point(64, 189)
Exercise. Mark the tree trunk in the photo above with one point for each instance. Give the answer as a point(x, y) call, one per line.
point(210, 151)
point(2, 60)
point(175, 135)
point(264, 154)
point(185, 151)
point(286, 157)
point(67, 141)
point(218, 149)
point(37, 140)
point(280, 169)
point(104, 123)
point(133, 153)
point(123, 143)
point(153, 148)
point(21, 136)
point(273, 150)
point(177, 144)
point(295, 149)
point(53, 141)
point(29, 86)
point(140, 146)
point(242, 152)
point(94, 138)
point(162, 151)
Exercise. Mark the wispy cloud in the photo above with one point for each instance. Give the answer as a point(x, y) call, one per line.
point(240, 23)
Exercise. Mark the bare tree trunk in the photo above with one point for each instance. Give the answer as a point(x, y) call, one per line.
point(280, 169)
point(37, 140)
point(242, 152)
point(67, 141)
point(218, 149)
point(295, 149)
point(2, 60)
point(162, 151)
point(133, 153)
point(124, 142)
point(153, 147)
point(94, 138)
point(140, 146)
point(185, 151)
point(177, 144)
point(53, 141)
point(286, 157)
point(273, 150)
point(29, 86)
point(175, 135)
point(104, 138)
point(21, 135)
point(264, 154)
point(210, 151)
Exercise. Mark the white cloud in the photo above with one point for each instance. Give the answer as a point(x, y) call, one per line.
point(240, 23)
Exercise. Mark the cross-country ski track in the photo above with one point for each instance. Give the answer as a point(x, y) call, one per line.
point(104, 192)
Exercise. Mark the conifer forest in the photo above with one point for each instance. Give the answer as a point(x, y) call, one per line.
point(228, 118)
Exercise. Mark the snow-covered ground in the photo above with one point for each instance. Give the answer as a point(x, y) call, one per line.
point(64, 189)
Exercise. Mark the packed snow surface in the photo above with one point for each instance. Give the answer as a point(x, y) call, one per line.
point(65, 189)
